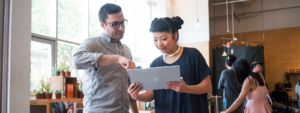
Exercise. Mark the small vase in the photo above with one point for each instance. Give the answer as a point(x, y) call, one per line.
point(62, 73)
point(57, 73)
point(68, 74)
point(38, 96)
point(49, 96)
point(81, 95)
point(58, 96)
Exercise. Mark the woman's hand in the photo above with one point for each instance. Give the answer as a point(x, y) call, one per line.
point(177, 86)
point(224, 112)
point(134, 90)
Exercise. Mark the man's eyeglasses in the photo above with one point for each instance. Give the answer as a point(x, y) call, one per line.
point(116, 25)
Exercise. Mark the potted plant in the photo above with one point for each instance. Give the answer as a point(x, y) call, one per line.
point(48, 91)
point(56, 71)
point(58, 94)
point(67, 72)
point(38, 94)
point(62, 66)
point(42, 85)
point(79, 87)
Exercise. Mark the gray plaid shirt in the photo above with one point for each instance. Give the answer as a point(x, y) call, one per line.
point(104, 88)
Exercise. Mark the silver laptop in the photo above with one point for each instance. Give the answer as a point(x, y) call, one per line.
point(156, 77)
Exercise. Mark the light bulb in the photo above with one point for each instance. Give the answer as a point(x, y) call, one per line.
point(197, 23)
point(234, 39)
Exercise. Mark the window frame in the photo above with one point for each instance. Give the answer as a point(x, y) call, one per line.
point(52, 44)
point(54, 40)
point(5, 57)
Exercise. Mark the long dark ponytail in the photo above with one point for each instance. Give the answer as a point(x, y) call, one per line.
point(242, 71)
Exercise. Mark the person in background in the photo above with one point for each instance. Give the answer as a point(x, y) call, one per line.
point(257, 67)
point(297, 90)
point(190, 94)
point(228, 83)
point(106, 61)
point(253, 87)
point(280, 96)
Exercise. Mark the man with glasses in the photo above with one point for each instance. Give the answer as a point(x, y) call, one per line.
point(106, 61)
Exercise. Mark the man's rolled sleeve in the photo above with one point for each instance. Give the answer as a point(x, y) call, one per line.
point(85, 58)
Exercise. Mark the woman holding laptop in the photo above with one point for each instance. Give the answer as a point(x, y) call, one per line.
point(190, 94)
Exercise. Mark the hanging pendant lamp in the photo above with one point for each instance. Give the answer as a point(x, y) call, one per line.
point(197, 23)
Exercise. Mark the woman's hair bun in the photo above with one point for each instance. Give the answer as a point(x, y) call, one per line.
point(177, 22)
point(155, 19)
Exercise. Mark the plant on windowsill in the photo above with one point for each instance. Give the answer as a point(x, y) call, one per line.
point(38, 94)
point(58, 94)
point(62, 66)
point(56, 71)
point(48, 91)
point(41, 87)
point(67, 72)
point(79, 88)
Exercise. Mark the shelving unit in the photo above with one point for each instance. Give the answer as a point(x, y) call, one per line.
point(47, 104)
point(59, 83)
point(293, 79)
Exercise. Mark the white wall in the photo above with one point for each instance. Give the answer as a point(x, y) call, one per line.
point(187, 10)
point(160, 9)
point(20, 35)
point(272, 19)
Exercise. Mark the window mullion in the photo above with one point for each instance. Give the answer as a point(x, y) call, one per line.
point(56, 37)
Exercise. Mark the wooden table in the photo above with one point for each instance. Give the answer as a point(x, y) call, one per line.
point(47, 102)
point(146, 111)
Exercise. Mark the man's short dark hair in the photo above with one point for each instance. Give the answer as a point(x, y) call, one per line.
point(254, 64)
point(230, 59)
point(106, 9)
point(277, 85)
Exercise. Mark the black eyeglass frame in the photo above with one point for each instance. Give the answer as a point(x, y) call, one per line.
point(118, 24)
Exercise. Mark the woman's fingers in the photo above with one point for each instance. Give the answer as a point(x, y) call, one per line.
point(135, 87)
point(140, 88)
point(131, 86)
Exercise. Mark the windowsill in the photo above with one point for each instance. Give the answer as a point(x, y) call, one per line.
point(32, 93)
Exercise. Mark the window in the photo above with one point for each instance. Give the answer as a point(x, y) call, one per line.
point(145, 50)
point(43, 17)
point(72, 20)
point(65, 52)
point(94, 24)
point(42, 59)
point(59, 26)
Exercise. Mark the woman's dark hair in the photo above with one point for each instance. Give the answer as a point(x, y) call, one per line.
point(167, 25)
point(106, 9)
point(242, 71)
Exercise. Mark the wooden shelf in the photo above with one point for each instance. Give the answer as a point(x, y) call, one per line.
point(146, 111)
point(47, 102)
point(59, 83)
point(293, 73)
point(293, 100)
